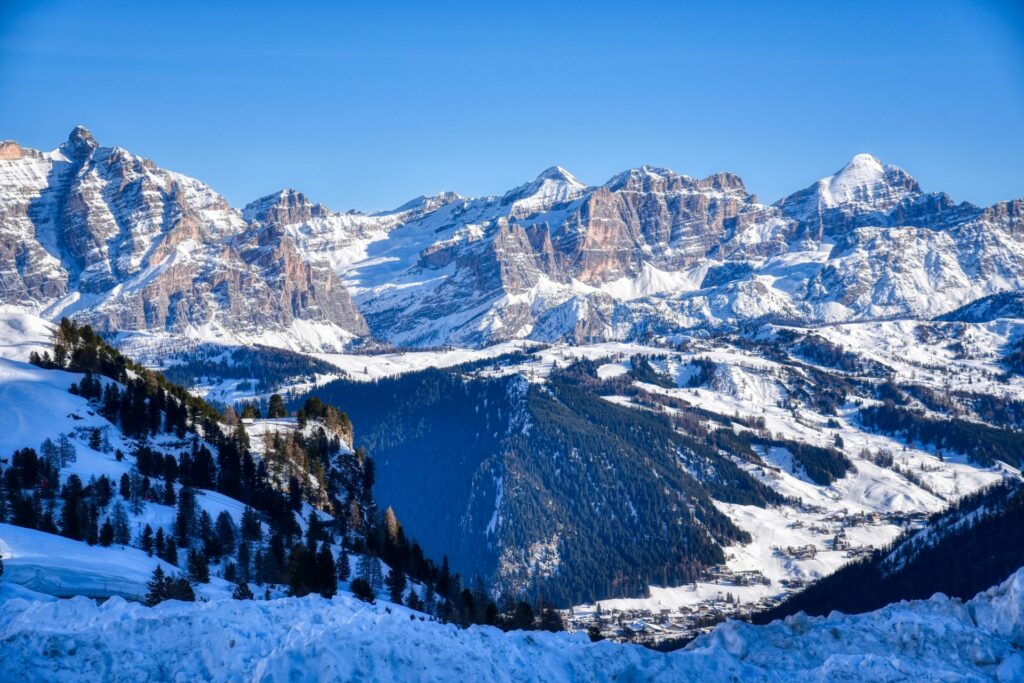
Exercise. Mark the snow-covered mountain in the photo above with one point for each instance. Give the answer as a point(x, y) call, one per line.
point(95, 497)
point(101, 233)
point(158, 257)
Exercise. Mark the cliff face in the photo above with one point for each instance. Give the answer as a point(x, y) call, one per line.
point(113, 239)
point(130, 247)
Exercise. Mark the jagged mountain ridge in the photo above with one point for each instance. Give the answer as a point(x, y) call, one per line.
point(113, 239)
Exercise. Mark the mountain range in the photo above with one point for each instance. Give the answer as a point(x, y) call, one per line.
point(654, 404)
point(155, 257)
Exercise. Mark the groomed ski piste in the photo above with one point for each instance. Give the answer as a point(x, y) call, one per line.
point(343, 639)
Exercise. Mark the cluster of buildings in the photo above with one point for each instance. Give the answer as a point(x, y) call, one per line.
point(647, 626)
point(641, 625)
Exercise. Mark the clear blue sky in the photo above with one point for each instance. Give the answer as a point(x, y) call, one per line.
point(365, 105)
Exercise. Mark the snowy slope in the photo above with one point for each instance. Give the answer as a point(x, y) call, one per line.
point(53, 565)
point(36, 405)
point(312, 639)
point(22, 333)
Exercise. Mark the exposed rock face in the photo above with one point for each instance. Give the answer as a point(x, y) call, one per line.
point(866, 192)
point(10, 150)
point(297, 289)
point(110, 237)
point(149, 250)
point(653, 216)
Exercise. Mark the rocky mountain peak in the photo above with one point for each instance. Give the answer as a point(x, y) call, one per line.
point(285, 207)
point(9, 149)
point(866, 180)
point(636, 179)
point(863, 192)
point(724, 182)
point(80, 144)
point(426, 204)
point(553, 186)
point(558, 174)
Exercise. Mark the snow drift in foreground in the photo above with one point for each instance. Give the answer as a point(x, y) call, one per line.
point(299, 639)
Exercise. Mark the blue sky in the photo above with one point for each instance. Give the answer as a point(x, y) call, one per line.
point(365, 105)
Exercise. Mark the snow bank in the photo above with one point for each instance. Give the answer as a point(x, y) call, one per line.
point(50, 564)
point(298, 639)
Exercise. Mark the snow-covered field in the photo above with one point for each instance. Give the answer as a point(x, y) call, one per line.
point(306, 639)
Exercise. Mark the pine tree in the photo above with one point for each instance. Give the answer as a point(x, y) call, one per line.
point(361, 589)
point(314, 532)
point(491, 614)
point(444, 580)
point(122, 530)
point(95, 439)
point(302, 575)
point(71, 523)
point(242, 438)
point(276, 408)
point(92, 529)
point(137, 487)
point(551, 620)
point(198, 566)
point(242, 591)
point(251, 530)
point(48, 452)
point(344, 570)
point(369, 478)
point(65, 451)
point(225, 530)
point(412, 600)
point(169, 498)
point(203, 470)
point(180, 589)
point(184, 521)
point(327, 584)
point(211, 544)
point(244, 563)
point(369, 569)
point(429, 599)
point(146, 541)
point(157, 587)
point(396, 584)
point(522, 619)
point(46, 522)
point(103, 491)
point(170, 555)
point(106, 534)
